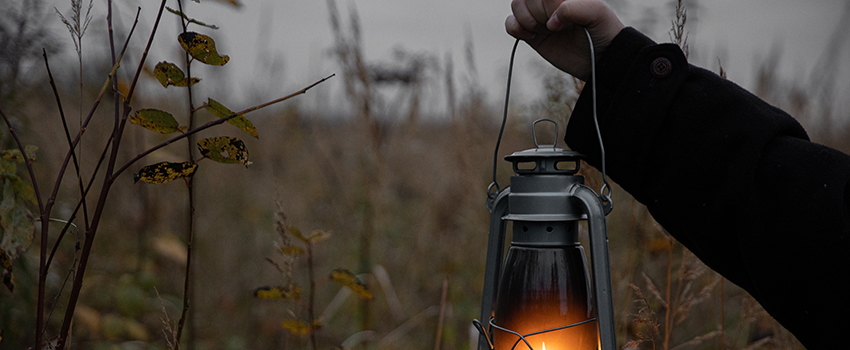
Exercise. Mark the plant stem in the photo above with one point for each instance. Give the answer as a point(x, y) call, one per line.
point(311, 306)
point(49, 205)
point(443, 296)
point(107, 182)
point(77, 207)
point(190, 233)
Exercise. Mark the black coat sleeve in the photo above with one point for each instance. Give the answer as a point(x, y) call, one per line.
point(734, 179)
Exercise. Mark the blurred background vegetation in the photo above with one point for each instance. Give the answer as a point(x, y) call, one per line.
point(401, 193)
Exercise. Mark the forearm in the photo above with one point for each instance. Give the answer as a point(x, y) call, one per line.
point(731, 177)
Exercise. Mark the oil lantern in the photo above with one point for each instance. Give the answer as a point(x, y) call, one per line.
point(542, 296)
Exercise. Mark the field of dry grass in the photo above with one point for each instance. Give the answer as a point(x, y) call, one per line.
point(402, 196)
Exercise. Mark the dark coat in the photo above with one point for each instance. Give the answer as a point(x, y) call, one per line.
point(732, 178)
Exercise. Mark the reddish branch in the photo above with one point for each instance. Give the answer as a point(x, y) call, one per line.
point(116, 141)
point(113, 144)
point(190, 234)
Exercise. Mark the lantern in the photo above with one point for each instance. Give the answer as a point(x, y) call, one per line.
point(545, 299)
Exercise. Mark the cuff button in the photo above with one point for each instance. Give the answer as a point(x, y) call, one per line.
point(661, 67)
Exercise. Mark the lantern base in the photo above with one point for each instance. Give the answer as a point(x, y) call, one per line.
point(492, 324)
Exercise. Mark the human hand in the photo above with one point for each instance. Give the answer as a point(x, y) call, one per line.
point(554, 28)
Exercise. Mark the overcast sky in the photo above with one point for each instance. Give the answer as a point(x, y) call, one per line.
point(277, 46)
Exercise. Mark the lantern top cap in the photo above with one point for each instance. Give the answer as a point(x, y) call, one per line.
point(544, 152)
point(545, 159)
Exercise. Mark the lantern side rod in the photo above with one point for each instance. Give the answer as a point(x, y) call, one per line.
point(599, 262)
point(495, 249)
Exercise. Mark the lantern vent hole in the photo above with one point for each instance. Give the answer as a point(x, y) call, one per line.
point(525, 229)
point(567, 165)
point(526, 165)
point(549, 229)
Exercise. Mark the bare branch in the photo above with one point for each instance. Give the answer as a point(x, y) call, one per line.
point(213, 123)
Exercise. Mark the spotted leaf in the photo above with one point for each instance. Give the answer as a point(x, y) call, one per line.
point(165, 171)
point(223, 149)
point(297, 327)
point(202, 48)
point(239, 121)
point(291, 291)
point(156, 120)
point(347, 279)
point(169, 74)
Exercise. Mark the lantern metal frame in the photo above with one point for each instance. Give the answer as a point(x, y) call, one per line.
point(575, 202)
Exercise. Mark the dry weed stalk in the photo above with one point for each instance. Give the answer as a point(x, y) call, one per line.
point(358, 88)
point(78, 24)
point(167, 330)
point(646, 320)
point(678, 33)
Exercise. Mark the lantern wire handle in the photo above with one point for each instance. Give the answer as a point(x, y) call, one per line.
point(606, 191)
point(491, 195)
point(605, 197)
point(483, 331)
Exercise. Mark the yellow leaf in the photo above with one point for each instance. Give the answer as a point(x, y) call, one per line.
point(297, 233)
point(347, 279)
point(296, 327)
point(168, 73)
point(224, 149)
point(239, 121)
point(292, 250)
point(291, 291)
point(202, 48)
point(318, 236)
point(156, 120)
point(165, 171)
point(30, 151)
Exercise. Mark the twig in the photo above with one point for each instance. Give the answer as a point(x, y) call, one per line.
point(67, 136)
point(74, 143)
point(46, 209)
point(442, 313)
point(107, 184)
point(213, 123)
point(77, 207)
point(190, 234)
point(311, 307)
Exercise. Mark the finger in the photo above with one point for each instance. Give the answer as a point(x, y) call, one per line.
point(525, 19)
point(516, 30)
point(577, 12)
point(537, 9)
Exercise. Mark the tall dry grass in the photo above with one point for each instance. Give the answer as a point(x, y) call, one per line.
point(402, 195)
